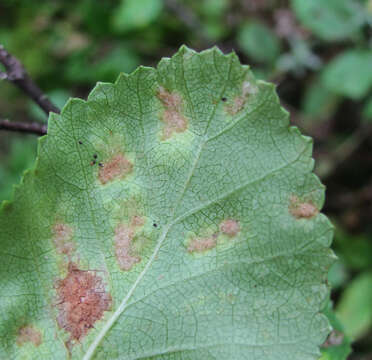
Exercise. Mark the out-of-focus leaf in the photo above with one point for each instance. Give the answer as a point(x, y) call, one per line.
point(258, 42)
point(367, 110)
point(58, 97)
point(355, 306)
point(338, 345)
point(330, 19)
point(21, 156)
point(135, 14)
point(337, 275)
point(350, 74)
point(355, 250)
point(319, 101)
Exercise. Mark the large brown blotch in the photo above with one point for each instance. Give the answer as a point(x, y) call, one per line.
point(174, 120)
point(29, 333)
point(202, 244)
point(118, 167)
point(82, 300)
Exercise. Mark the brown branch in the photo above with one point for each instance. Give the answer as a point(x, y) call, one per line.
point(16, 74)
point(23, 127)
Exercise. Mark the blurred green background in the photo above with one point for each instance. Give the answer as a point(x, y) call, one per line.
point(318, 52)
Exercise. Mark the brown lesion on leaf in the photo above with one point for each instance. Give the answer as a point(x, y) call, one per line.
point(230, 227)
point(302, 209)
point(125, 250)
point(202, 244)
point(174, 120)
point(29, 334)
point(62, 238)
point(82, 300)
point(240, 100)
point(117, 167)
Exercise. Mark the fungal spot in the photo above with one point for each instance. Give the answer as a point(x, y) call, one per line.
point(124, 249)
point(62, 238)
point(230, 227)
point(202, 244)
point(29, 334)
point(82, 300)
point(172, 117)
point(100, 164)
point(302, 210)
point(155, 225)
point(224, 99)
point(335, 338)
point(80, 142)
point(116, 168)
point(95, 156)
point(239, 101)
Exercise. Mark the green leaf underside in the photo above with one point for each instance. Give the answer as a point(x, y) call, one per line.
point(228, 253)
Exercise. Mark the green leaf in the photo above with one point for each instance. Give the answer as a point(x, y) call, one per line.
point(258, 42)
point(355, 306)
point(338, 345)
point(350, 74)
point(331, 19)
point(134, 14)
point(174, 214)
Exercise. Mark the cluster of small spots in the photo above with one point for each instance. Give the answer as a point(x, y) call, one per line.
point(172, 117)
point(62, 238)
point(82, 300)
point(239, 101)
point(116, 168)
point(29, 334)
point(227, 227)
point(124, 235)
point(300, 209)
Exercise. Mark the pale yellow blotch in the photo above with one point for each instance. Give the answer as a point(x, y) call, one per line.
point(202, 244)
point(302, 210)
point(29, 334)
point(115, 168)
point(239, 101)
point(174, 120)
point(62, 238)
point(230, 227)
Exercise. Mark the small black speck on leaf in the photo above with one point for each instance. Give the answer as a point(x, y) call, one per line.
point(223, 99)
point(100, 164)
point(80, 142)
point(155, 225)
point(95, 156)
point(92, 163)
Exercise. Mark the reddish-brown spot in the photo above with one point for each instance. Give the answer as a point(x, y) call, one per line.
point(202, 244)
point(62, 238)
point(230, 227)
point(239, 101)
point(30, 334)
point(123, 247)
point(172, 117)
point(301, 209)
point(116, 168)
point(82, 300)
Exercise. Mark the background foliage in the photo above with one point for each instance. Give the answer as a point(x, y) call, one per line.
point(318, 52)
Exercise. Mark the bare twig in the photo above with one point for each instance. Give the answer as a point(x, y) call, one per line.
point(16, 74)
point(24, 127)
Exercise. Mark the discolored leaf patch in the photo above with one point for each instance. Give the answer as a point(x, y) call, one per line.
point(124, 249)
point(239, 101)
point(302, 210)
point(230, 227)
point(118, 167)
point(82, 300)
point(172, 117)
point(202, 244)
point(29, 334)
point(62, 238)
